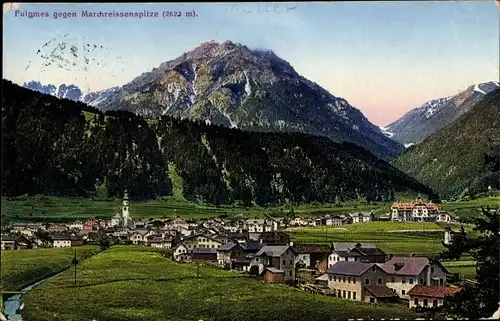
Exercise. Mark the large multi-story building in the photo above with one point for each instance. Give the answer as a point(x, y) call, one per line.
point(418, 211)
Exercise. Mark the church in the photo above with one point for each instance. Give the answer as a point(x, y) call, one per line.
point(123, 219)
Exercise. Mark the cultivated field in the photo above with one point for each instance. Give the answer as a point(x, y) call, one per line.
point(24, 267)
point(131, 283)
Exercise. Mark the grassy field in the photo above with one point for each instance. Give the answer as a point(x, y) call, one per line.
point(54, 209)
point(130, 283)
point(391, 237)
point(22, 268)
point(466, 268)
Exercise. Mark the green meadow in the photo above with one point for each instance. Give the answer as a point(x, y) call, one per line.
point(25, 267)
point(57, 209)
point(134, 283)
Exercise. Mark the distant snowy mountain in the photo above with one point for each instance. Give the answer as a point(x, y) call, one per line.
point(72, 92)
point(430, 117)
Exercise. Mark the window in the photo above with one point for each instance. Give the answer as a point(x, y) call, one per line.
point(348, 294)
point(441, 282)
point(343, 294)
point(354, 295)
point(335, 278)
point(330, 277)
point(257, 259)
point(343, 279)
point(284, 262)
point(403, 280)
point(421, 281)
point(348, 280)
point(416, 301)
point(291, 262)
point(393, 279)
point(432, 269)
point(372, 300)
point(290, 273)
point(379, 281)
point(373, 268)
point(367, 281)
point(425, 302)
point(346, 258)
point(411, 281)
point(435, 303)
point(354, 280)
point(403, 292)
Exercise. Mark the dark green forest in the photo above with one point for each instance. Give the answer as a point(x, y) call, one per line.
point(60, 147)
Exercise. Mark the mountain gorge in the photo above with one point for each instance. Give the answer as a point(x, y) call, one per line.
point(452, 161)
point(231, 85)
point(60, 147)
point(427, 119)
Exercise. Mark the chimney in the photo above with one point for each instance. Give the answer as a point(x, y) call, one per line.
point(398, 266)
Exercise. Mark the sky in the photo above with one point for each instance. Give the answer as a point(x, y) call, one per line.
point(384, 58)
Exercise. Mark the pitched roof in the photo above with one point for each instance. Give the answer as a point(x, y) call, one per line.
point(243, 258)
point(322, 277)
point(350, 268)
point(380, 291)
point(311, 248)
point(411, 205)
point(433, 291)
point(274, 250)
point(226, 247)
point(410, 265)
point(342, 246)
point(274, 270)
point(252, 246)
point(204, 250)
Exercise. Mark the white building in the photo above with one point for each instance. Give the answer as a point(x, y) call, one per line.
point(61, 242)
point(418, 211)
point(181, 252)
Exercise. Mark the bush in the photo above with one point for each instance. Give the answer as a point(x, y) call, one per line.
point(254, 270)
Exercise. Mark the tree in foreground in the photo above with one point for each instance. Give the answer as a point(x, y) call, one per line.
point(480, 299)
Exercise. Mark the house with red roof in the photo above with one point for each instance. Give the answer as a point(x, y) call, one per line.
point(430, 295)
point(418, 211)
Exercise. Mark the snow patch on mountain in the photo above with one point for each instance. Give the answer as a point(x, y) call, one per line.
point(386, 131)
point(477, 89)
point(408, 145)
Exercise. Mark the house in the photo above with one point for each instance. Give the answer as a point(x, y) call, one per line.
point(19, 226)
point(379, 293)
point(362, 217)
point(16, 242)
point(349, 279)
point(260, 225)
point(322, 280)
point(204, 254)
point(177, 223)
point(430, 295)
point(281, 258)
point(362, 252)
point(228, 252)
point(200, 240)
point(140, 236)
point(312, 256)
point(181, 253)
point(298, 221)
point(55, 228)
point(76, 240)
point(275, 237)
point(61, 241)
point(406, 272)
point(92, 225)
point(418, 211)
point(77, 225)
point(446, 217)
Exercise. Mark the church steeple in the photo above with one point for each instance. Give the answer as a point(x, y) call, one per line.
point(125, 207)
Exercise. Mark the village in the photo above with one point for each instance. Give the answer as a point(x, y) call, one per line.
point(263, 248)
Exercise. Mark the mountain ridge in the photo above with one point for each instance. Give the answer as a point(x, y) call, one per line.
point(234, 86)
point(428, 118)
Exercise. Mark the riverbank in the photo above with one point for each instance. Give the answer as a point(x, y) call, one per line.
point(25, 267)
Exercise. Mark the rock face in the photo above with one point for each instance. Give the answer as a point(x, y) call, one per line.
point(429, 118)
point(231, 85)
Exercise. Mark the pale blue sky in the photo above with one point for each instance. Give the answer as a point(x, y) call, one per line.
point(383, 57)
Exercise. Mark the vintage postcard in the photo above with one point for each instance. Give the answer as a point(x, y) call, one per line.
point(250, 161)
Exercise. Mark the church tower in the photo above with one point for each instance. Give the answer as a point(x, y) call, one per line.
point(125, 209)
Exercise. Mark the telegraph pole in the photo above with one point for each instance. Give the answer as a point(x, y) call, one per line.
point(75, 262)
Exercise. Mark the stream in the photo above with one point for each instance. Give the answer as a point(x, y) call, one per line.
point(11, 305)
